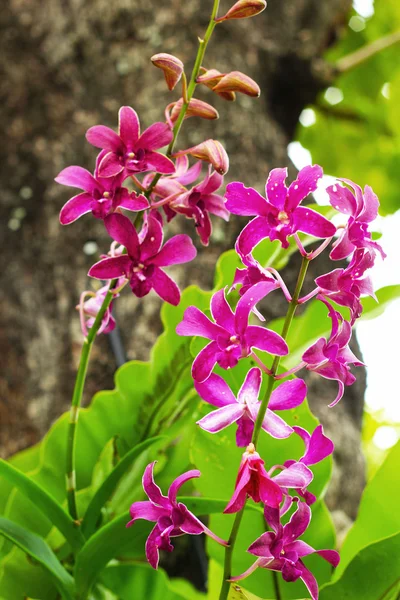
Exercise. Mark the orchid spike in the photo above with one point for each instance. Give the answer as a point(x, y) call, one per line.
point(278, 215)
point(129, 152)
point(141, 265)
point(172, 517)
point(244, 408)
point(232, 338)
point(171, 66)
point(361, 208)
point(281, 550)
point(254, 481)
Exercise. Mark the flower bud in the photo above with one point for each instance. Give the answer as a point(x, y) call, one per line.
point(211, 78)
point(237, 82)
point(244, 9)
point(172, 67)
point(210, 151)
point(196, 108)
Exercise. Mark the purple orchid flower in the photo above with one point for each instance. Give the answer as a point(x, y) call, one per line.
point(346, 286)
point(244, 409)
point(101, 196)
point(331, 358)
point(128, 151)
point(279, 215)
point(232, 338)
point(317, 447)
point(172, 518)
point(141, 265)
point(281, 550)
point(89, 308)
point(254, 481)
point(361, 209)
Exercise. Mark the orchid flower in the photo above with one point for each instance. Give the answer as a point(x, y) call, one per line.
point(244, 409)
point(172, 518)
point(232, 338)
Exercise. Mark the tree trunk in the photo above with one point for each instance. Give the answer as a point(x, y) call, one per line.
point(70, 64)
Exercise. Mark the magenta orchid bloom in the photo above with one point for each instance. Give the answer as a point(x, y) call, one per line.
point(279, 215)
point(346, 286)
point(172, 518)
point(101, 196)
point(141, 265)
point(281, 550)
point(129, 152)
point(317, 447)
point(361, 210)
point(331, 358)
point(244, 409)
point(254, 481)
point(232, 338)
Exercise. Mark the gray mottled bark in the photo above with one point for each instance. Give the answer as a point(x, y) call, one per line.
point(70, 64)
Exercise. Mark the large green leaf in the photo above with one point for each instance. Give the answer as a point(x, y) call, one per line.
point(39, 551)
point(44, 502)
point(373, 574)
point(378, 515)
point(107, 488)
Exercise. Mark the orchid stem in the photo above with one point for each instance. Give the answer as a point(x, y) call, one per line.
point(190, 88)
point(276, 585)
point(257, 426)
point(366, 52)
point(76, 401)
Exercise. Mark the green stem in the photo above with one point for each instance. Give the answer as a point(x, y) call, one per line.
point(257, 426)
point(191, 87)
point(76, 401)
point(228, 556)
point(276, 585)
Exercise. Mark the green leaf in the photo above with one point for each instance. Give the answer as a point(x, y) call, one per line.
point(107, 488)
point(374, 573)
point(378, 515)
point(40, 552)
point(36, 495)
point(107, 543)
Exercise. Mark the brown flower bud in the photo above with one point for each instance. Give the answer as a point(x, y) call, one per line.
point(210, 78)
point(244, 9)
point(172, 67)
point(196, 108)
point(210, 151)
point(237, 82)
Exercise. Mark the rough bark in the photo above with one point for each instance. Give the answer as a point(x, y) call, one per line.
point(70, 64)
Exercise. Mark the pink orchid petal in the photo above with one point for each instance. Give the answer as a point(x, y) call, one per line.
point(156, 136)
point(342, 248)
point(103, 137)
point(75, 207)
point(299, 521)
point(306, 182)
point(110, 268)
point(159, 163)
point(255, 231)
point(339, 395)
point(262, 545)
point(310, 582)
point(250, 387)
point(221, 418)
point(176, 251)
point(151, 547)
point(110, 165)
point(308, 221)
point(133, 202)
point(151, 488)
point(77, 177)
point(145, 510)
point(191, 524)
point(244, 201)
point(315, 353)
point(288, 395)
point(215, 391)
point(216, 206)
point(276, 189)
point(179, 481)
point(248, 301)
point(371, 205)
point(318, 446)
point(273, 515)
point(204, 362)
point(275, 426)
point(129, 127)
point(267, 340)
point(122, 231)
point(153, 239)
point(295, 476)
point(342, 199)
point(210, 184)
point(222, 312)
point(165, 287)
point(196, 323)
point(270, 492)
